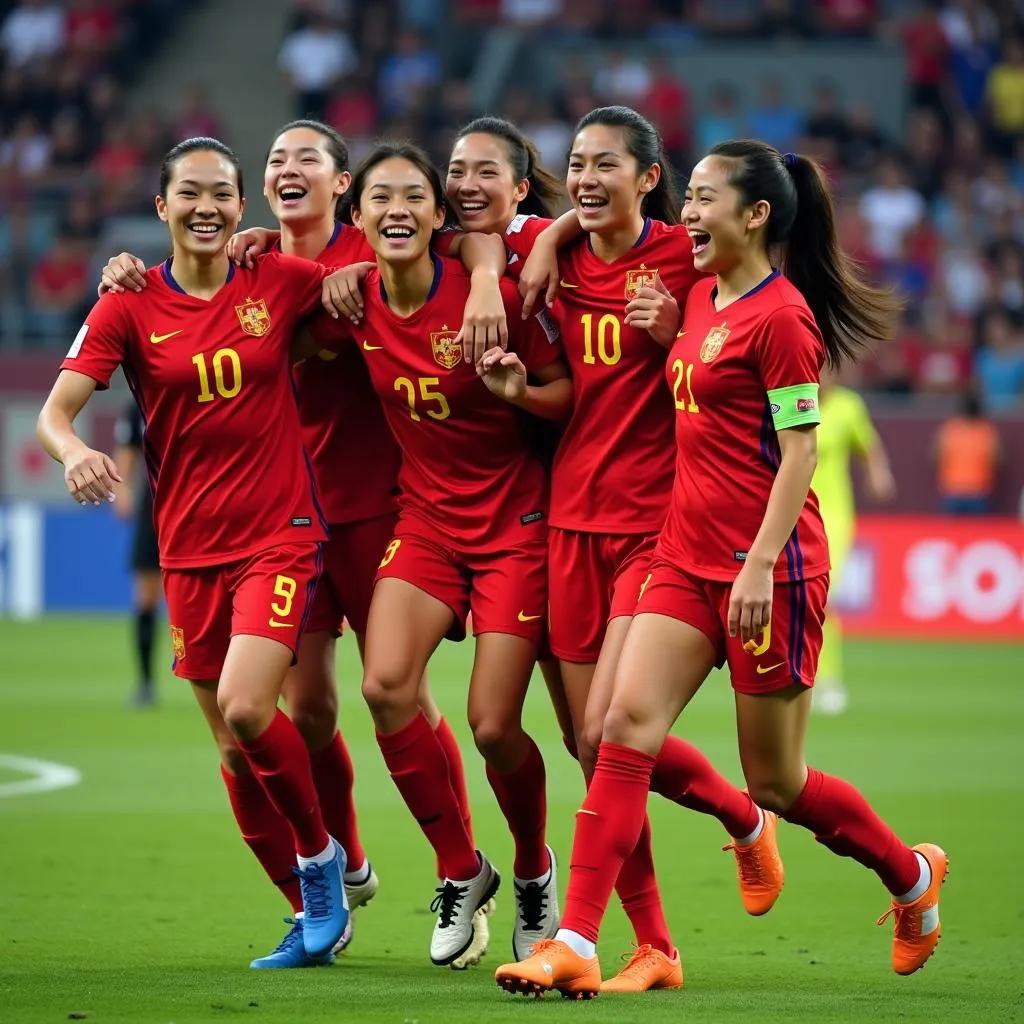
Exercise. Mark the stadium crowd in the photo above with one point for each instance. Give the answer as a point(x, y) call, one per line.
point(938, 213)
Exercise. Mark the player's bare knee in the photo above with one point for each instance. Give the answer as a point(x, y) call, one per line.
point(493, 738)
point(620, 726)
point(389, 694)
point(773, 793)
point(317, 722)
point(244, 717)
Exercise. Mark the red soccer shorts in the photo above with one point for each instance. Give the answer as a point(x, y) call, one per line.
point(788, 649)
point(351, 556)
point(592, 578)
point(268, 594)
point(507, 591)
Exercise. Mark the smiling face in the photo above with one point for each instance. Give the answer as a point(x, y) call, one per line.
point(481, 185)
point(301, 181)
point(722, 229)
point(397, 210)
point(604, 182)
point(202, 206)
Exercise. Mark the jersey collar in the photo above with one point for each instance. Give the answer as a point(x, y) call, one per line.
point(165, 272)
point(434, 285)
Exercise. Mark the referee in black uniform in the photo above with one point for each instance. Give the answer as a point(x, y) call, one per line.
point(134, 500)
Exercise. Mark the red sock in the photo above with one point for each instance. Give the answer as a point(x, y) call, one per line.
point(607, 829)
point(843, 820)
point(523, 800)
point(265, 832)
point(456, 772)
point(638, 889)
point(419, 767)
point(684, 775)
point(279, 759)
point(334, 778)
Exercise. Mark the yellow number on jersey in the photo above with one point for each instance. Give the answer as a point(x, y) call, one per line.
point(221, 357)
point(426, 394)
point(284, 588)
point(681, 370)
point(389, 553)
point(609, 339)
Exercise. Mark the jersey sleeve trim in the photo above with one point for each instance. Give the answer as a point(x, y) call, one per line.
point(795, 406)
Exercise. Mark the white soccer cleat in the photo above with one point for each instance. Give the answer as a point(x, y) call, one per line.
point(537, 913)
point(481, 938)
point(358, 896)
point(455, 905)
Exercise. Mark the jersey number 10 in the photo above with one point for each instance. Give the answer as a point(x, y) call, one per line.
point(225, 364)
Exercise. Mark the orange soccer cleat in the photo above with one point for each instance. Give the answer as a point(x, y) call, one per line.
point(648, 969)
point(917, 929)
point(760, 869)
point(553, 965)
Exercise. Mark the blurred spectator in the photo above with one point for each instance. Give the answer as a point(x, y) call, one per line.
point(26, 151)
point(863, 143)
point(773, 119)
point(1004, 95)
point(551, 135)
point(927, 51)
point(939, 356)
point(826, 120)
point(92, 29)
point(780, 19)
point(967, 456)
point(999, 363)
point(625, 79)
point(119, 154)
point(925, 152)
point(853, 19)
point(890, 208)
point(722, 120)
point(530, 14)
point(667, 104)
point(972, 31)
point(314, 57)
point(34, 29)
point(353, 107)
point(412, 68)
point(196, 117)
point(58, 289)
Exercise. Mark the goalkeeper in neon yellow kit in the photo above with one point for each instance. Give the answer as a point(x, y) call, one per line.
point(845, 431)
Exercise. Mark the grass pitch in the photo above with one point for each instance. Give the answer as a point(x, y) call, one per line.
point(130, 898)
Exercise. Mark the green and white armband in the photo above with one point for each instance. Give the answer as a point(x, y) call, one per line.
point(795, 406)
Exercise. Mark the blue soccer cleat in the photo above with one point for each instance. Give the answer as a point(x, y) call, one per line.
point(324, 904)
point(290, 952)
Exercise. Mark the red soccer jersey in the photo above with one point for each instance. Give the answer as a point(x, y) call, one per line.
point(736, 376)
point(465, 469)
point(355, 458)
point(613, 469)
point(520, 235)
point(212, 379)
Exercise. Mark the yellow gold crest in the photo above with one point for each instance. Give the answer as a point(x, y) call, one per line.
point(641, 278)
point(254, 317)
point(178, 643)
point(712, 344)
point(447, 351)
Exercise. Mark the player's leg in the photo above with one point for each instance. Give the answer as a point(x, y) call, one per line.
point(771, 710)
point(662, 665)
point(264, 830)
point(509, 602)
point(407, 621)
point(830, 695)
point(311, 695)
point(146, 582)
point(271, 594)
point(365, 543)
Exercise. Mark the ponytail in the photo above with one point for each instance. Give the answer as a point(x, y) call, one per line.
point(546, 191)
point(643, 142)
point(850, 313)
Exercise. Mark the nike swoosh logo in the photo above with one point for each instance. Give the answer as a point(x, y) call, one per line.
point(680, 334)
point(761, 669)
point(565, 284)
point(157, 338)
point(523, 617)
point(279, 625)
point(367, 347)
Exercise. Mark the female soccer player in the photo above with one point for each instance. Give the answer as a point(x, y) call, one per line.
point(306, 174)
point(741, 568)
point(206, 351)
point(845, 431)
point(617, 312)
point(471, 536)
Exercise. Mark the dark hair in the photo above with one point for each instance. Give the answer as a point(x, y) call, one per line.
point(400, 150)
point(337, 147)
point(849, 311)
point(200, 144)
point(645, 146)
point(545, 189)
